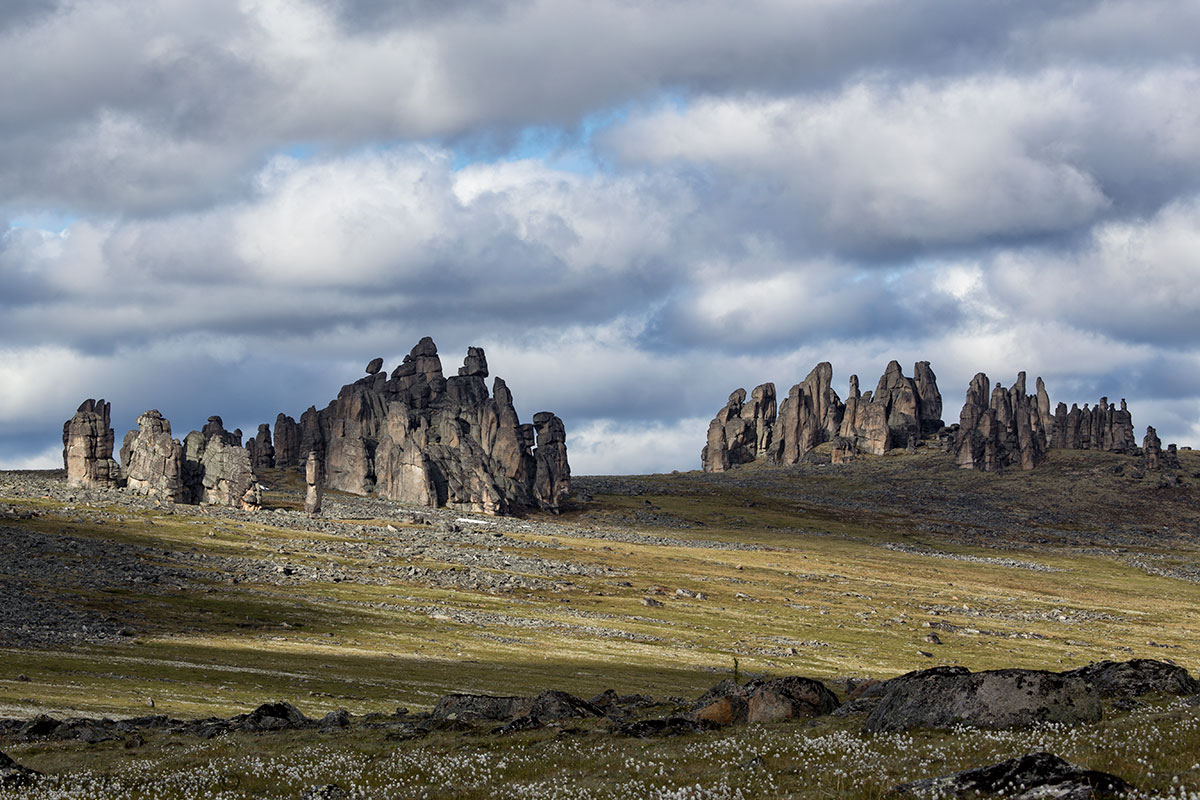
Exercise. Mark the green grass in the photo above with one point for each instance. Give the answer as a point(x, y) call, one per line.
point(820, 596)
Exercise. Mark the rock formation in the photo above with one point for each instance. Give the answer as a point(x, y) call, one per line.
point(1102, 427)
point(315, 484)
point(1152, 449)
point(420, 437)
point(901, 410)
point(217, 469)
point(999, 428)
point(740, 432)
point(287, 442)
point(153, 460)
point(88, 447)
point(262, 452)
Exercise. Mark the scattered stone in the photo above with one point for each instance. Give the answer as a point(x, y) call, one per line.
point(1037, 776)
point(271, 717)
point(329, 791)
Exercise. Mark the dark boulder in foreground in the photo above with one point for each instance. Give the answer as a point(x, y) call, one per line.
point(1137, 677)
point(13, 775)
point(271, 717)
point(1007, 698)
point(549, 705)
point(772, 700)
point(1038, 775)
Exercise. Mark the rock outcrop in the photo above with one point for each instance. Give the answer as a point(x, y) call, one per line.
point(764, 700)
point(943, 697)
point(1036, 776)
point(1099, 427)
point(1152, 449)
point(741, 431)
point(417, 436)
point(262, 452)
point(153, 460)
point(217, 469)
point(900, 411)
point(88, 447)
point(287, 442)
point(1000, 428)
point(314, 479)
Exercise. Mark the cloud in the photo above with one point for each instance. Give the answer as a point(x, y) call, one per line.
point(883, 169)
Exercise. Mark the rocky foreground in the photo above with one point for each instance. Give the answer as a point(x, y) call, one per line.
point(944, 698)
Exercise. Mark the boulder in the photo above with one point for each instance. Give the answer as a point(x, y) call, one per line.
point(1036, 776)
point(764, 700)
point(549, 705)
point(374, 365)
point(261, 450)
point(13, 775)
point(272, 717)
point(1137, 677)
point(88, 441)
point(943, 697)
point(287, 442)
point(154, 461)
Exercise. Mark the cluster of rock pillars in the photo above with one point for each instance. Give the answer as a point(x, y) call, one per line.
point(997, 428)
point(415, 436)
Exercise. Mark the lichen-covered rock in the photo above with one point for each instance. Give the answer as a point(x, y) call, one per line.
point(764, 700)
point(1137, 677)
point(154, 460)
point(943, 697)
point(88, 441)
point(1036, 776)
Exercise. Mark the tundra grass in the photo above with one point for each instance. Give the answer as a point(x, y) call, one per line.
point(782, 572)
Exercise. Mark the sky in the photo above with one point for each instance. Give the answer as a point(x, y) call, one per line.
point(230, 206)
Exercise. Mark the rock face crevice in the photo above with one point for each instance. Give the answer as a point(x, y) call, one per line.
point(418, 436)
point(899, 411)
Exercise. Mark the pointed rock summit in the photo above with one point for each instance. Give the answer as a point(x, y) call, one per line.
point(901, 410)
point(418, 436)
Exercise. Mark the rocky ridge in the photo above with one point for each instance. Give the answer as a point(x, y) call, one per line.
point(416, 436)
point(998, 428)
point(900, 410)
